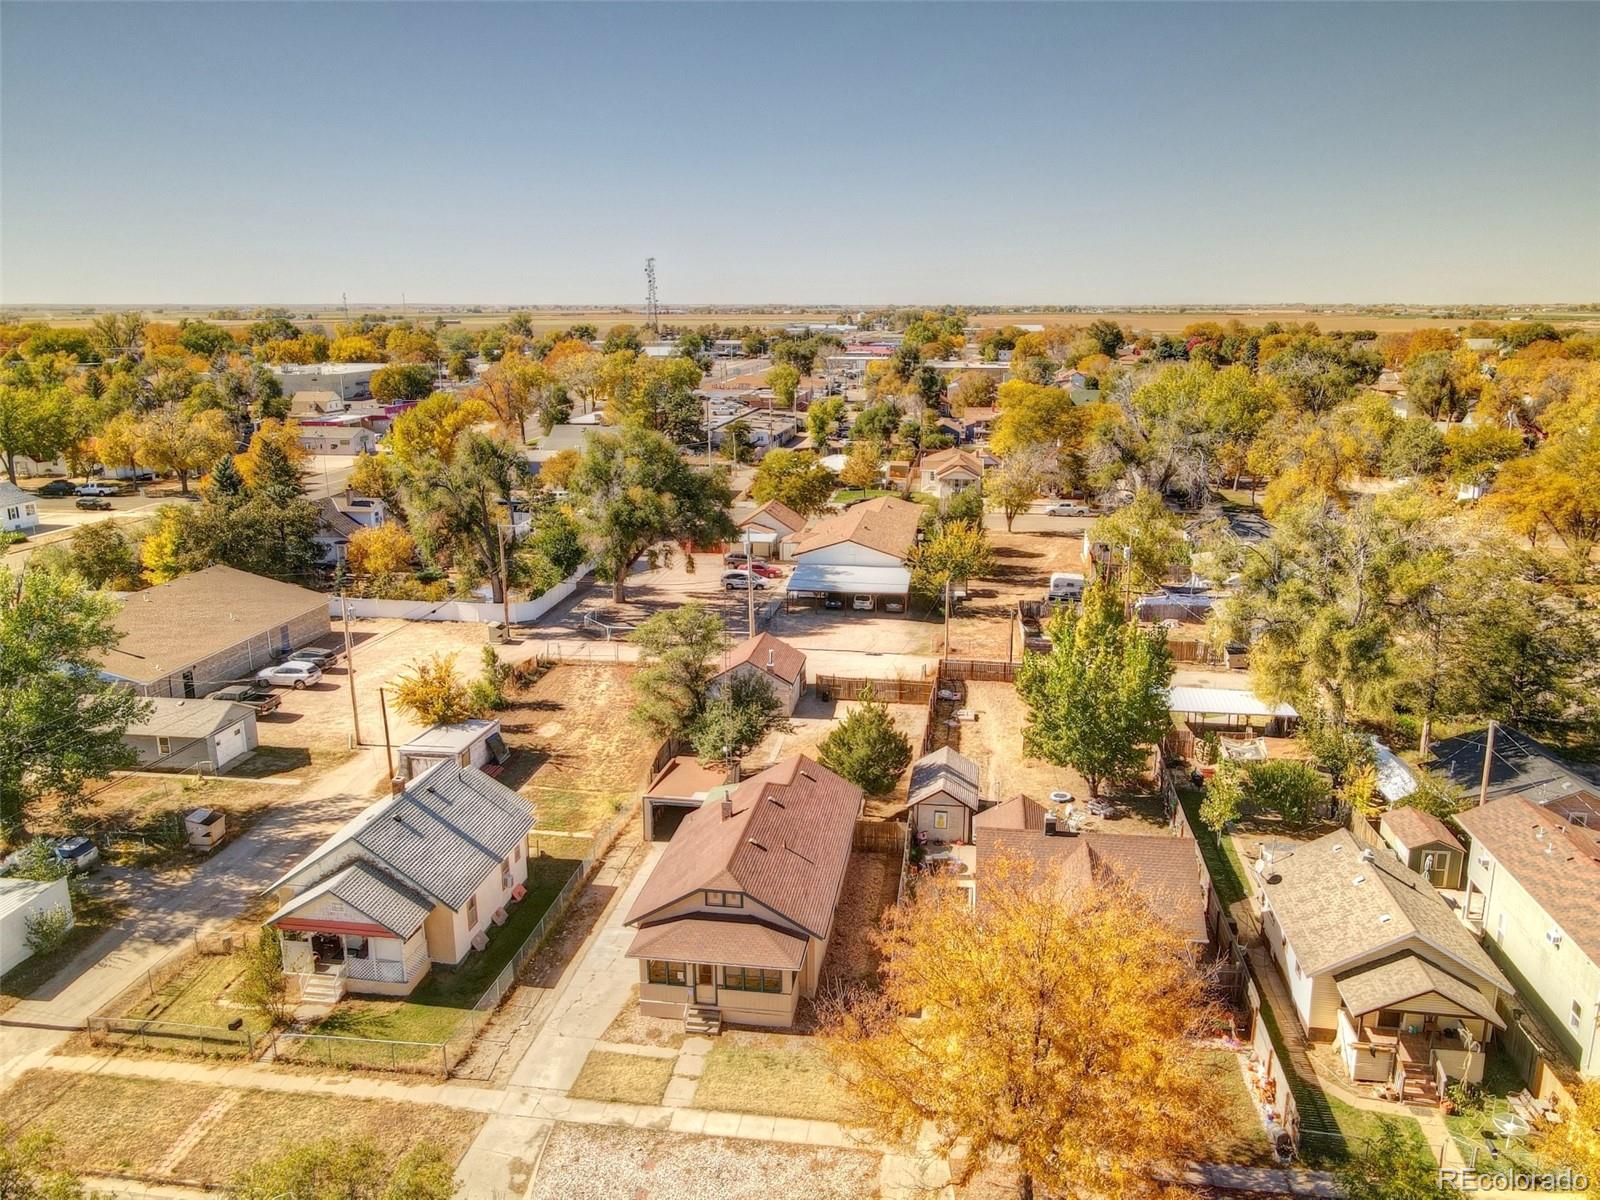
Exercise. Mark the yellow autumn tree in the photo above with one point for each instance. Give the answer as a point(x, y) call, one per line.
point(284, 434)
point(159, 552)
point(430, 430)
point(385, 550)
point(1051, 1029)
point(1576, 1141)
point(354, 348)
point(432, 692)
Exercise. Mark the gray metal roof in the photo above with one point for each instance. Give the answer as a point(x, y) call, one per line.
point(945, 770)
point(442, 836)
point(189, 718)
point(370, 892)
point(830, 577)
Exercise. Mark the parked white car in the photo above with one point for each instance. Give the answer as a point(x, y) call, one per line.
point(295, 673)
point(738, 581)
point(1068, 508)
point(97, 489)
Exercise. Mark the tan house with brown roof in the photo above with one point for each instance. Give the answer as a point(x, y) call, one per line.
point(210, 628)
point(1533, 887)
point(1377, 963)
point(734, 921)
point(780, 664)
point(949, 472)
point(1425, 844)
point(859, 554)
point(772, 529)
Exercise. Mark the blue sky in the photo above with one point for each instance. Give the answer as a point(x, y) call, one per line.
point(1061, 153)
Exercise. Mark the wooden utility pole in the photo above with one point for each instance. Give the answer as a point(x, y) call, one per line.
point(505, 579)
point(350, 669)
point(749, 585)
point(947, 616)
point(388, 749)
point(1488, 762)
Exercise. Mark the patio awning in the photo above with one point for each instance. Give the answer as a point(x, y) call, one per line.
point(1223, 701)
point(870, 581)
point(1392, 982)
point(337, 904)
point(728, 942)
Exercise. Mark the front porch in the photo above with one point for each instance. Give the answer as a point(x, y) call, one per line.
point(1411, 1054)
point(326, 964)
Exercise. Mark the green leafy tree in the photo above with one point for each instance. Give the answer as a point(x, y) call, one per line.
point(262, 983)
point(1388, 1167)
point(734, 722)
point(632, 492)
point(401, 382)
point(679, 652)
point(342, 1168)
point(958, 551)
point(864, 467)
point(30, 1169)
point(866, 748)
point(34, 421)
point(487, 693)
point(1146, 539)
point(784, 381)
point(63, 723)
point(822, 419)
point(794, 478)
point(1293, 790)
point(463, 501)
point(1224, 801)
point(1097, 701)
point(102, 554)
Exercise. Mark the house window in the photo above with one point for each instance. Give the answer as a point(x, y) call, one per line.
point(1575, 1016)
point(516, 853)
point(941, 819)
point(163, 746)
point(1388, 1018)
point(472, 912)
point(751, 979)
point(505, 874)
point(11, 514)
point(355, 947)
point(673, 974)
point(725, 899)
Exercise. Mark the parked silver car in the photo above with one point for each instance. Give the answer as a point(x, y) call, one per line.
point(295, 673)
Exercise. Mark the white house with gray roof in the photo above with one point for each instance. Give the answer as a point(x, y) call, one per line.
point(1375, 961)
point(415, 879)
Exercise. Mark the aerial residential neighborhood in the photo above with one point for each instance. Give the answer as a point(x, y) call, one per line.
point(924, 601)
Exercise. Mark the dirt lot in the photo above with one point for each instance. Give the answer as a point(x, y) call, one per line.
point(814, 719)
point(994, 741)
point(1024, 559)
point(578, 756)
point(318, 718)
point(871, 886)
point(595, 1162)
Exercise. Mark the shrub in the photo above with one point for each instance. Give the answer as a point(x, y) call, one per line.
point(47, 928)
point(866, 748)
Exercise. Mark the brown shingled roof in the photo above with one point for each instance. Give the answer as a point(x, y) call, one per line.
point(777, 508)
point(1555, 862)
point(785, 844)
point(1416, 828)
point(884, 524)
point(768, 654)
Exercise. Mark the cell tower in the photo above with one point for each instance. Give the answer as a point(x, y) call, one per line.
point(652, 309)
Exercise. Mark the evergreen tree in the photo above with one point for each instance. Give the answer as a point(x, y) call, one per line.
point(226, 482)
point(866, 748)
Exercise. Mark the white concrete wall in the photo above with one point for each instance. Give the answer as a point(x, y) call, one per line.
point(14, 946)
point(522, 611)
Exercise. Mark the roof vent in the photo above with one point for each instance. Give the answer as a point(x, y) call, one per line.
point(1366, 855)
point(772, 658)
point(1384, 918)
point(727, 808)
point(755, 843)
point(1359, 879)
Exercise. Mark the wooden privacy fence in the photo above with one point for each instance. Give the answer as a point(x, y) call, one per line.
point(889, 691)
point(880, 837)
point(980, 669)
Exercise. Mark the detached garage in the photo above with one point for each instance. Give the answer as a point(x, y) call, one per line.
point(178, 735)
point(682, 786)
point(22, 900)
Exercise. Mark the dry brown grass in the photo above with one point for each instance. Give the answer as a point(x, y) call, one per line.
point(262, 1124)
point(104, 1123)
point(578, 756)
point(622, 1078)
point(871, 886)
point(633, 1027)
point(775, 1075)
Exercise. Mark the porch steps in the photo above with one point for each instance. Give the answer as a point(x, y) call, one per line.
point(321, 989)
point(704, 1021)
point(1416, 1083)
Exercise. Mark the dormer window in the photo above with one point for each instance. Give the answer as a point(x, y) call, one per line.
point(724, 900)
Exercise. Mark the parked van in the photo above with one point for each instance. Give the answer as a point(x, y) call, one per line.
point(1065, 586)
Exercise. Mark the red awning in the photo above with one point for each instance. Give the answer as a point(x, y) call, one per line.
point(354, 929)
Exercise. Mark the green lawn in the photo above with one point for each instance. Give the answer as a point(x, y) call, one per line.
point(199, 994)
point(1472, 1128)
point(1234, 1134)
point(567, 810)
point(788, 1077)
point(851, 495)
point(1222, 860)
point(434, 1012)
